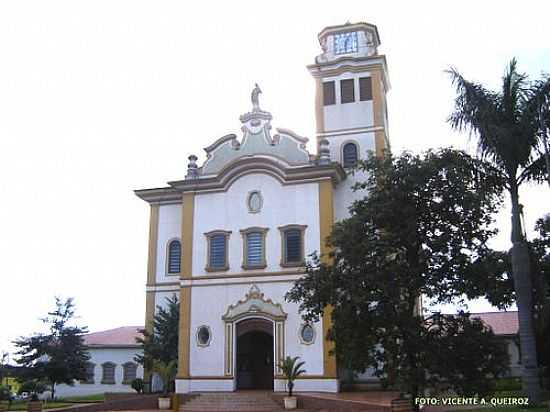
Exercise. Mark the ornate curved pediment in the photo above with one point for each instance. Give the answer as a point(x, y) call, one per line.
point(254, 303)
point(256, 140)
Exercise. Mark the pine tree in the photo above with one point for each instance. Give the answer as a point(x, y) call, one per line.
point(162, 344)
point(59, 356)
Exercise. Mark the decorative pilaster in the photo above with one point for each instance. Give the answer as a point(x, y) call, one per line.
point(151, 276)
point(326, 219)
point(188, 200)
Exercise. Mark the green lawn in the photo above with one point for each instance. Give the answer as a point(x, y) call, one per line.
point(512, 394)
point(58, 403)
point(22, 405)
point(99, 397)
point(505, 409)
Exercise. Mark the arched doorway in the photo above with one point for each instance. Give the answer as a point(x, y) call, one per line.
point(255, 354)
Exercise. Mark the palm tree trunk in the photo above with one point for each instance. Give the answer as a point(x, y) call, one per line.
point(524, 299)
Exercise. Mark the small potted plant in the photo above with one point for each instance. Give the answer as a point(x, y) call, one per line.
point(291, 369)
point(166, 372)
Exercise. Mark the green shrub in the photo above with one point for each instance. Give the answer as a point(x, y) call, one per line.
point(5, 393)
point(507, 384)
point(33, 387)
point(138, 385)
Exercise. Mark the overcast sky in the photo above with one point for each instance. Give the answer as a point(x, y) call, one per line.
point(99, 98)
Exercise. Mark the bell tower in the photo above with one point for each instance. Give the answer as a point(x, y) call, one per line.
point(351, 81)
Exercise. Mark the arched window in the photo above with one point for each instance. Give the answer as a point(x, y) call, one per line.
point(129, 372)
point(174, 256)
point(89, 373)
point(108, 376)
point(350, 154)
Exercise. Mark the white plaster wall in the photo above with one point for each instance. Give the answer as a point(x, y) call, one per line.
point(119, 356)
point(344, 196)
point(348, 115)
point(209, 304)
point(282, 205)
point(513, 352)
point(169, 227)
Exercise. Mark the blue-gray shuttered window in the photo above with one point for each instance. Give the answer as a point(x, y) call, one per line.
point(350, 154)
point(129, 372)
point(89, 373)
point(293, 246)
point(217, 251)
point(174, 256)
point(254, 249)
point(108, 373)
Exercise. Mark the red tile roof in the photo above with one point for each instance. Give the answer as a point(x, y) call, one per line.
point(123, 336)
point(502, 323)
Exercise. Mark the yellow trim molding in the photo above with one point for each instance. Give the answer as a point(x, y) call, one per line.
point(185, 332)
point(149, 314)
point(153, 240)
point(319, 107)
point(326, 219)
point(188, 201)
point(187, 212)
point(378, 98)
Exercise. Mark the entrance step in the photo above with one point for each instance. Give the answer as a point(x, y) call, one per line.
point(231, 401)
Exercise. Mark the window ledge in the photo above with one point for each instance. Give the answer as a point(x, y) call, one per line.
point(252, 267)
point(107, 382)
point(220, 269)
point(293, 264)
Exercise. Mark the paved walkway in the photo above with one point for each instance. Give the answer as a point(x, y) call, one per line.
point(374, 398)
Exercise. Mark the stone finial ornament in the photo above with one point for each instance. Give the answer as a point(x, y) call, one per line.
point(192, 169)
point(324, 152)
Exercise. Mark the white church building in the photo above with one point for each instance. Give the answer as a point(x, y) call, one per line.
point(233, 235)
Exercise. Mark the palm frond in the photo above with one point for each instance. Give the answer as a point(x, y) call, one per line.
point(475, 112)
point(536, 171)
point(505, 122)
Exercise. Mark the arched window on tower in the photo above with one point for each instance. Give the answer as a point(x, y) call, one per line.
point(174, 256)
point(350, 155)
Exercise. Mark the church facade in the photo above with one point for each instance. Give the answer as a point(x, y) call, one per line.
point(232, 236)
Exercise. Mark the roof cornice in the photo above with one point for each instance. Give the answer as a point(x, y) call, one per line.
point(266, 165)
point(161, 195)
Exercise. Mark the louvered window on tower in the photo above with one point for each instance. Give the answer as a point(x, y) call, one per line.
point(329, 94)
point(347, 92)
point(365, 88)
point(293, 246)
point(350, 154)
point(254, 249)
point(174, 256)
point(217, 252)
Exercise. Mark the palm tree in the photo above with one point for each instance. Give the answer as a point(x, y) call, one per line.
point(509, 135)
point(291, 369)
point(166, 372)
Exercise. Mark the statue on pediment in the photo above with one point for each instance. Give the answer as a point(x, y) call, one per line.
point(255, 98)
